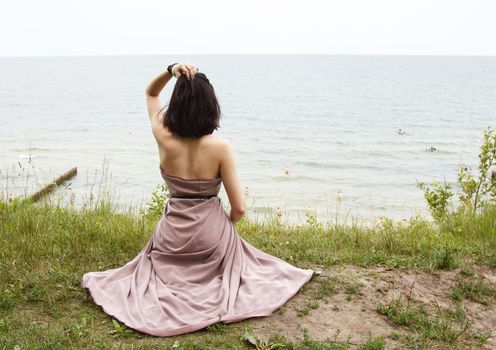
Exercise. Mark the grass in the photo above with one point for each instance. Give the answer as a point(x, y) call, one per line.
point(306, 342)
point(431, 330)
point(46, 248)
point(475, 288)
point(324, 288)
point(417, 244)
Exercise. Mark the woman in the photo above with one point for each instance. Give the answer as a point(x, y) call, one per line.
point(195, 270)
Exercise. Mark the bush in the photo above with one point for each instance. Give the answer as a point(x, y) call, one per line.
point(475, 190)
point(156, 205)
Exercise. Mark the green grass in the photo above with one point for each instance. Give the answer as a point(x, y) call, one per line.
point(306, 342)
point(418, 244)
point(475, 288)
point(429, 330)
point(324, 288)
point(45, 250)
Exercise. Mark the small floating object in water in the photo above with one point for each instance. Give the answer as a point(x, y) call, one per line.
point(130, 132)
point(286, 171)
point(401, 132)
point(339, 195)
point(432, 149)
point(278, 216)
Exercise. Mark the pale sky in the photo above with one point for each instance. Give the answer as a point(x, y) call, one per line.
point(111, 27)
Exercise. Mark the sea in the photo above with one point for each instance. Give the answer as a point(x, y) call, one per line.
point(332, 138)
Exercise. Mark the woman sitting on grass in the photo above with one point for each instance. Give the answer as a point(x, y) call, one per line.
point(195, 269)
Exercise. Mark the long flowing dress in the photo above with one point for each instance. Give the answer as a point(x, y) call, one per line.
point(195, 270)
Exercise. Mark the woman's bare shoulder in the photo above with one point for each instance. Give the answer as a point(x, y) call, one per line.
point(216, 147)
point(216, 142)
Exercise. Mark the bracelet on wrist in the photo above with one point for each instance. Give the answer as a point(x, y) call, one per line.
point(169, 68)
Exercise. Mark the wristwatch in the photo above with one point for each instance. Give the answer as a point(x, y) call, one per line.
point(169, 68)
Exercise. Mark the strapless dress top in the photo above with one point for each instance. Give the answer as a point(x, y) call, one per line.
point(180, 187)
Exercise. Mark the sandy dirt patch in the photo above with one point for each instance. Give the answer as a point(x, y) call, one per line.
point(348, 311)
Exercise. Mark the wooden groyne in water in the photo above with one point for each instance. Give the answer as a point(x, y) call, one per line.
point(52, 185)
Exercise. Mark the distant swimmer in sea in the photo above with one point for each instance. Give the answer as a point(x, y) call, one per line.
point(432, 149)
point(246, 191)
point(402, 132)
point(339, 195)
point(286, 171)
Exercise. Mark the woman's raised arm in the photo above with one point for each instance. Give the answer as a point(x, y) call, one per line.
point(152, 92)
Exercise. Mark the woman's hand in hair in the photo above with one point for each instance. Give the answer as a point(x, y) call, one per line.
point(184, 68)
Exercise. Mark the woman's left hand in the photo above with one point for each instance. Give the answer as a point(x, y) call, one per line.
point(184, 68)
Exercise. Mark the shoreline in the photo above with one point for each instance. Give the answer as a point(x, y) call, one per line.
point(260, 214)
point(323, 211)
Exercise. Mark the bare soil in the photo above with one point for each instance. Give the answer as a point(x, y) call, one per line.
point(351, 316)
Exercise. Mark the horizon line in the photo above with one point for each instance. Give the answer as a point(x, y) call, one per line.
point(255, 54)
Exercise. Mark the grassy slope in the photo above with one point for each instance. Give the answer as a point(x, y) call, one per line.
point(45, 250)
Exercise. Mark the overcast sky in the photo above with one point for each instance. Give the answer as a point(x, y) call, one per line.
point(103, 27)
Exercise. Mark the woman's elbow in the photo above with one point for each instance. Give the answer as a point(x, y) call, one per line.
point(150, 92)
point(239, 211)
point(147, 92)
point(241, 208)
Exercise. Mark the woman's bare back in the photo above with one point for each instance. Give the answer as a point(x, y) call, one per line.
point(207, 157)
point(191, 158)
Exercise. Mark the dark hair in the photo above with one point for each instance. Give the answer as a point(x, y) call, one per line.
point(193, 109)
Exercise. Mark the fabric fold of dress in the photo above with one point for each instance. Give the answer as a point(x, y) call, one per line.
point(194, 271)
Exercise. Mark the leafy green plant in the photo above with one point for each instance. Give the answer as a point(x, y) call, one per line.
point(437, 196)
point(156, 205)
point(261, 343)
point(479, 189)
point(119, 329)
point(311, 219)
point(474, 190)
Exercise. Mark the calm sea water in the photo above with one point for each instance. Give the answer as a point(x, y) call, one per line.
point(360, 126)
